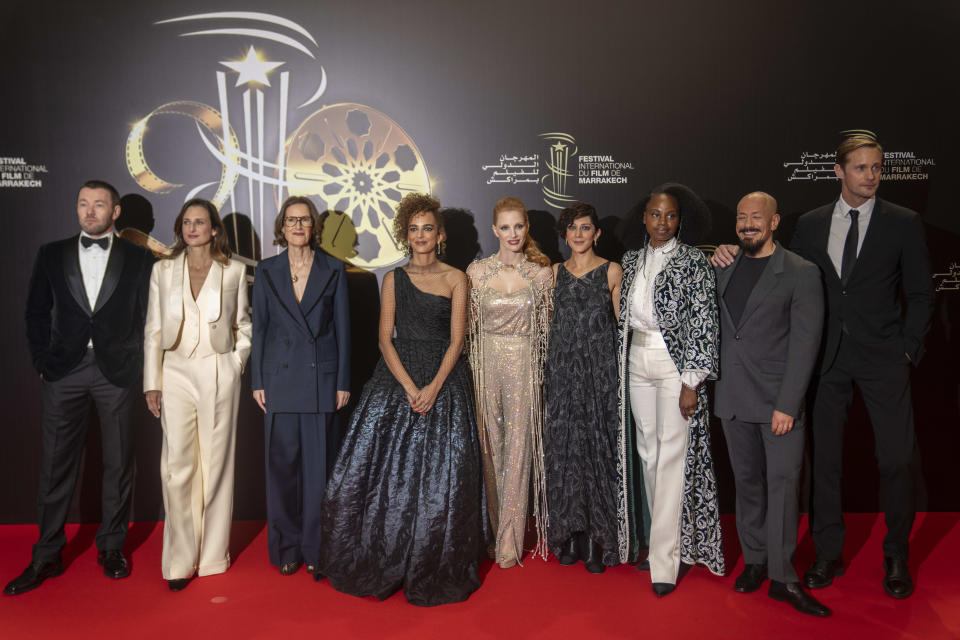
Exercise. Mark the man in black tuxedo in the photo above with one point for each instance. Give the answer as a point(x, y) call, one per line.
point(85, 312)
point(871, 253)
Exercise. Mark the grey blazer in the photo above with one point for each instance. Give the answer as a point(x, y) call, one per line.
point(766, 360)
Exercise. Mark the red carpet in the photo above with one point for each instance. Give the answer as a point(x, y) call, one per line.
point(540, 600)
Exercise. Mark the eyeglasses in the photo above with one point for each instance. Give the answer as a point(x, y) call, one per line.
point(305, 221)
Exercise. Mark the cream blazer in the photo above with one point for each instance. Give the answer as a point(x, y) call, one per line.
point(227, 312)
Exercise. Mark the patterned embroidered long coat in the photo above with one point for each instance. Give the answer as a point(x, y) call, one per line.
point(686, 310)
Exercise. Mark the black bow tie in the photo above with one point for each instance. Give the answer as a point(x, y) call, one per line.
point(103, 243)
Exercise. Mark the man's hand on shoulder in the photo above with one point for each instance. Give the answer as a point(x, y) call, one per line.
point(724, 255)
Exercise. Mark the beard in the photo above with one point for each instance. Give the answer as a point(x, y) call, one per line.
point(97, 228)
point(750, 246)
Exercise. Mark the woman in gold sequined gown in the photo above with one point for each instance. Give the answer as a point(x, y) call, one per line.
point(510, 304)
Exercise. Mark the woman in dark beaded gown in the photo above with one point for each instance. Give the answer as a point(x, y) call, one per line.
point(581, 422)
point(403, 508)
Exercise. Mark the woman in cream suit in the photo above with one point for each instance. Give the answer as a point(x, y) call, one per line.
point(196, 340)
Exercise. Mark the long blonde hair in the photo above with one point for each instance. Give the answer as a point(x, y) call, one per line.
point(530, 248)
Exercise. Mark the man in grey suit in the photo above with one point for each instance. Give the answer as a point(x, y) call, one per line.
point(771, 320)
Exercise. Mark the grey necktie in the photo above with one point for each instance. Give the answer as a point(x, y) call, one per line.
point(850, 248)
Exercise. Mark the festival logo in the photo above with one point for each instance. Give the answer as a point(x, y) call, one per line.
point(898, 166)
point(561, 148)
point(949, 280)
point(350, 159)
point(565, 168)
point(17, 173)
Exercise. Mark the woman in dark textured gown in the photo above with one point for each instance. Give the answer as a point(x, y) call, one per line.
point(581, 423)
point(404, 505)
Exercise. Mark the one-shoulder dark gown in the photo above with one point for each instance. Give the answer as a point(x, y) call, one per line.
point(403, 508)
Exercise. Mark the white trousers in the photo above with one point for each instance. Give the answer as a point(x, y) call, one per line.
point(662, 434)
point(199, 420)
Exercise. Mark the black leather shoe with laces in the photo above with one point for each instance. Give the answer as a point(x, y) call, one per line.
point(114, 563)
point(897, 582)
point(751, 579)
point(794, 595)
point(821, 573)
point(33, 576)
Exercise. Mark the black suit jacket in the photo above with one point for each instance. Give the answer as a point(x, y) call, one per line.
point(60, 321)
point(767, 358)
point(893, 257)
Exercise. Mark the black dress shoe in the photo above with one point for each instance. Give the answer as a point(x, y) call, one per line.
point(290, 568)
point(796, 597)
point(179, 584)
point(569, 554)
point(897, 582)
point(752, 577)
point(661, 589)
point(113, 563)
point(821, 573)
point(594, 558)
point(33, 576)
point(644, 566)
point(314, 570)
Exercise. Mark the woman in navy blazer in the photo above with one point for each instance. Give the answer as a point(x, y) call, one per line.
point(300, 368)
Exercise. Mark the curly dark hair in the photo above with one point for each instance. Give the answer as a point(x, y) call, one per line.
point(280, 240)
point(219, 247)
point(411, 205)
point(695, 217)
point(574, 211)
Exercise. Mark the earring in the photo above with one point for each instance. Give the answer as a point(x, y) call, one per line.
point(439, 248)
point(595, 241)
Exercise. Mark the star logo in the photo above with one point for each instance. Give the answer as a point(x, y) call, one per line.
point(252, 69)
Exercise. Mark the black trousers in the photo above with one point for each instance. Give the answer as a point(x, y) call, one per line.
point(766, 471)
point(66, 408)
point(884, 381)
point(296, 464)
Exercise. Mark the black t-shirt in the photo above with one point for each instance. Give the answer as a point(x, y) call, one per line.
point(742, 282)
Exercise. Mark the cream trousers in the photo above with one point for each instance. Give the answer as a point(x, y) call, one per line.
point(199, 420)
point(662, 434)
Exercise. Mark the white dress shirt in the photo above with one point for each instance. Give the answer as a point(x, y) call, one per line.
point(93, 264)
point(643, 314)
point(840, 226)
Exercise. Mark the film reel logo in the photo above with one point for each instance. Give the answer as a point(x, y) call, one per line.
point(561, 148)
point(353, 160)
point(358, 163)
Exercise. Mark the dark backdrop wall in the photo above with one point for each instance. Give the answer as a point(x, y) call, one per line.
point(356, 103)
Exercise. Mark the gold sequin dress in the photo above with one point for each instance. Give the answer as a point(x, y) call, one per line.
point(507, 345)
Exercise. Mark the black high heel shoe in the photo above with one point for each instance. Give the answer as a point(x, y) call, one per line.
point(178, 584)
point(290, 568)
point(314, 570)
point(569, 554)
point(594, 557)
